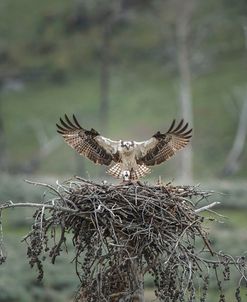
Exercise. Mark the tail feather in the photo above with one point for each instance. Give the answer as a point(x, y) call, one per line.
point(135, 173)
point(139, 172)
point(115, 170)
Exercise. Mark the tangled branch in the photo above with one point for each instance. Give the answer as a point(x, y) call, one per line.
point(120, 233)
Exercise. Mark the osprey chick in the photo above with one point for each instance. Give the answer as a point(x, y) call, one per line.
point(130, 159)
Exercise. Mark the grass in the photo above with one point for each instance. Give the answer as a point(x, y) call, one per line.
point(212, 296)
point(139, 105)
point(18, 281)
point(235, 218)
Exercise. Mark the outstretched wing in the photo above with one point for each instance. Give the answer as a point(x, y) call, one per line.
point(88, 143)
point(163, 146)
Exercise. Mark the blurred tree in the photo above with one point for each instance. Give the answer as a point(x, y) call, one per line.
point(175, 18)
point(184, 14)
point(106, 18)
point(232, 163)
point(106, 36)
point(3, 159)
point(112, 16)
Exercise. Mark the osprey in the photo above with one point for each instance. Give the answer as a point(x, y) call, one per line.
point(128, 160)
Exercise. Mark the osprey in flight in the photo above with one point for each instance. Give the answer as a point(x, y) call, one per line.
point(129, 160)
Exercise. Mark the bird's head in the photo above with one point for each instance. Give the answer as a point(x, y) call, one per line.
point(129, 145)
point(126, 175)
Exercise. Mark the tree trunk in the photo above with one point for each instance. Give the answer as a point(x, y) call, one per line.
point(105, 76)
point(3, 159)
point(137, 279)
point(182, 33)
point(233, 158)
point(128, 288)
point(115, 14)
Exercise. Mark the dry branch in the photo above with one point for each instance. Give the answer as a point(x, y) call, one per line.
point(207, 207)
point(120, 233)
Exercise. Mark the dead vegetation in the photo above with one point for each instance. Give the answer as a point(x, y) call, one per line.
point(120, 233)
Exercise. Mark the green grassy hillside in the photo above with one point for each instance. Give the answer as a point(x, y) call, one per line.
point(57, 63)
point(141, 103)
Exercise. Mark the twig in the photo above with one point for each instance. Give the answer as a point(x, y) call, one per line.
point(209, 206)
point(2, 248)
point(40, 205)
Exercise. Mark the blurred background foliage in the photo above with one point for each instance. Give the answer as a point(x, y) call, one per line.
point(123, 67)
point(53, 57)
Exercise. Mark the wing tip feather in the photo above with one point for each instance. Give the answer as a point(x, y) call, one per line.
point(180, 129)
point(172, 125)
point(67, 125)
point(76, 121)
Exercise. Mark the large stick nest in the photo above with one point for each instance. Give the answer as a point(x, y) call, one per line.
point(122, 232)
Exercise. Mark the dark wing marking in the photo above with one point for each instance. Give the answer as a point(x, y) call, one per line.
point(162, 146)
point(85, 141)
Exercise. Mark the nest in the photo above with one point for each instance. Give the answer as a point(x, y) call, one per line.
point(120, 233)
